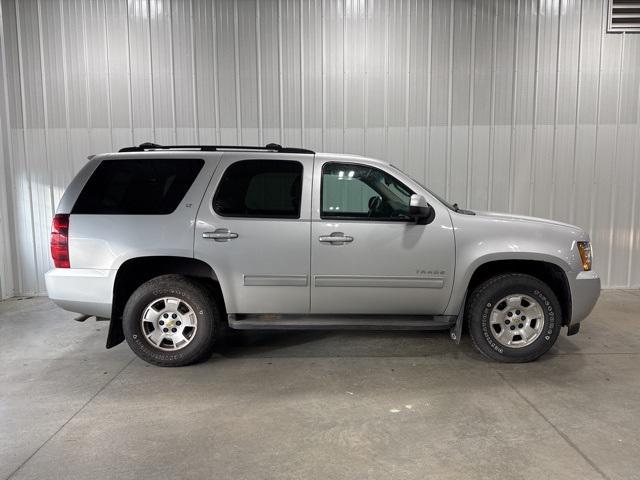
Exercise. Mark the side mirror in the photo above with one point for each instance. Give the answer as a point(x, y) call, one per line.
point(420, 210)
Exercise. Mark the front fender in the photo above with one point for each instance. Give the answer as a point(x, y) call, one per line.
point(480, 240)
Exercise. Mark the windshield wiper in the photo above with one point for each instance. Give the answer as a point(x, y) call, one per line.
point(457, 209)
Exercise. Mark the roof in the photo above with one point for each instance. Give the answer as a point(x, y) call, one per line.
point(269, 148)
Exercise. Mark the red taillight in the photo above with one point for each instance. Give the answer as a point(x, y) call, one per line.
point(60, 240)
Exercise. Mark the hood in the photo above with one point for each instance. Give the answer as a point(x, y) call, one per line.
point(523, 218)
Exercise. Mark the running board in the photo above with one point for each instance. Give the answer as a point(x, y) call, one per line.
point(340, 322)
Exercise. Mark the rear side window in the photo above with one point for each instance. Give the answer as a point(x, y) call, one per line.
point(260, 188)
point(149, 186)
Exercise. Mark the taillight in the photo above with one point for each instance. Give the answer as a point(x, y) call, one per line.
point(60, 240)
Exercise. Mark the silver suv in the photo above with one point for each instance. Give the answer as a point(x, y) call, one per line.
point(180, 245)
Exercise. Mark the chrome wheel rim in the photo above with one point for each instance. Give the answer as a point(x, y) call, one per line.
point(169, 323)
point(516, 321)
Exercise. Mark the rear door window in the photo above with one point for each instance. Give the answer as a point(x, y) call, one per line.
point(260, 188)
point(148, 186)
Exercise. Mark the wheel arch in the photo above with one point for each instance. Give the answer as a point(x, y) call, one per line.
point(550, 273)
point(136, 271)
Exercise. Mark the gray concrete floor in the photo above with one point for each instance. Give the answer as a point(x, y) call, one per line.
point(325, 405)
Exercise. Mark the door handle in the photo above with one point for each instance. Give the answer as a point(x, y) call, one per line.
point(220, 235)
point(336, 238)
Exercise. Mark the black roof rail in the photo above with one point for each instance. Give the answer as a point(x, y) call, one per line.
point(271, 147)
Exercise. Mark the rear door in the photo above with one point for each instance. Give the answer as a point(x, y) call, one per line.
point(253, 229)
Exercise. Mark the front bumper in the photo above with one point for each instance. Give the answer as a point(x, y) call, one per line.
point(82, 290)
point(585, 290)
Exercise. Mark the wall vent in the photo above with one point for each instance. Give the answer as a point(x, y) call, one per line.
point(624, 16)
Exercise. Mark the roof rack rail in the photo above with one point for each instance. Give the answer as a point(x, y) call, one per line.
point(271, 147)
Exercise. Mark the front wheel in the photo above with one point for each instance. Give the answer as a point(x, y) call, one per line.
point(513, 318)
point(171, 321)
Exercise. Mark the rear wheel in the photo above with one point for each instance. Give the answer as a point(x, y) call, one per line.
point(513, 318)
point(171, 321)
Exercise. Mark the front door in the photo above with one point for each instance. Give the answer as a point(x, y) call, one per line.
point(253, 229)
point(368, 256)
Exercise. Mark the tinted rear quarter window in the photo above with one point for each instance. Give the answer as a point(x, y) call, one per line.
point(260, 188)
point(149, 186)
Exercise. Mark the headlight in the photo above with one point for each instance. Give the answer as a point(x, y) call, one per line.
point(585, 255)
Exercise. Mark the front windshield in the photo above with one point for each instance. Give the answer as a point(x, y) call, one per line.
point(440, 199)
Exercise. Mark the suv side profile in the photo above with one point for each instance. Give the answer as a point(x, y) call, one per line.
point(179, 245)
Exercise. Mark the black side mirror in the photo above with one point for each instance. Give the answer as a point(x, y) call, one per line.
point(421, 212)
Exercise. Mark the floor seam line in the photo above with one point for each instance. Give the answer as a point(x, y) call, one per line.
point(563, 435)
point(634, 292)
point(70, 418)
point(592, 354)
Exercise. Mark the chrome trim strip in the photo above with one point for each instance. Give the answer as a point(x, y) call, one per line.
point(385, 281)
point(276, 280)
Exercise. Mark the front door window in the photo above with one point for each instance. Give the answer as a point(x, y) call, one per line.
point(359, 192)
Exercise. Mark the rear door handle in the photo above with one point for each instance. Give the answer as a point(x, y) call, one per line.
point(336, 238)
point(220, 235)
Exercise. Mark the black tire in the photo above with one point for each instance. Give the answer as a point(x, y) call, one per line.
point(204, 306)
point(484, 298)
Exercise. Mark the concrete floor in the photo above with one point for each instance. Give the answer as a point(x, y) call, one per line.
point(325, 405)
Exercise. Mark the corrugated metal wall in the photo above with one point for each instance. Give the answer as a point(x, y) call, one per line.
point(524, 106)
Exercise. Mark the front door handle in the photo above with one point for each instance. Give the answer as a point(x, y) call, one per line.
point(336, 238)
point(220, 235)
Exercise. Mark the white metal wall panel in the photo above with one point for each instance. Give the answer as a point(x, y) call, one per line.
point(526, 106)
point(6, 221)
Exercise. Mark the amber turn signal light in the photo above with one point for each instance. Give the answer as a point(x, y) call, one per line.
point(585, 255)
